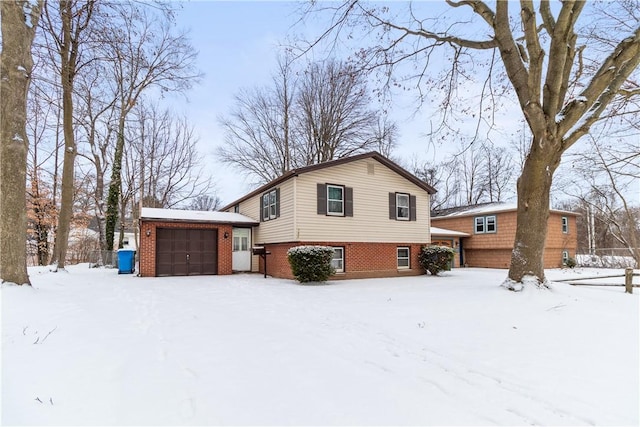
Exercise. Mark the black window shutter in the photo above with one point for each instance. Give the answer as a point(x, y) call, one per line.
point(277, 202)
point(260, 207)
point(392, 205)
point(322, 199)
point(348, 201)
point(413, 212)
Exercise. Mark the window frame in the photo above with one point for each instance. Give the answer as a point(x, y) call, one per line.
point(486, 224)
point(408, 258)
point(341, 249)
point(565, 224)
point(269, 205)
point(341, 200)
point(481, 224)
point(565, 257)
point(407, 207)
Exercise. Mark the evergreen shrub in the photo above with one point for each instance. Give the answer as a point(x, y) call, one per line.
point(311, 263)
point(435, 259)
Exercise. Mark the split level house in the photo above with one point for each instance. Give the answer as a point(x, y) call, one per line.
point(485, 234)
point(374, 213)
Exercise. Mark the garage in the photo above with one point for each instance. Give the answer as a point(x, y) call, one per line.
point(186, 252)
point(177, 242)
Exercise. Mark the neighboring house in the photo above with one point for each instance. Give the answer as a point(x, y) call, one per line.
point(491, 231)
point(371, 211)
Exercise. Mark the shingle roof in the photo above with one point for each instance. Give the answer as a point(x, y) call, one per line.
point(483, 208)
point(370, 155)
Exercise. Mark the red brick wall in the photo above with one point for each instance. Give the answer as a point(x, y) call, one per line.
point(147, 255)
point(493, 250)
point(361, 260)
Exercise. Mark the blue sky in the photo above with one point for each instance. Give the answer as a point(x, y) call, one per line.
point(238, 43)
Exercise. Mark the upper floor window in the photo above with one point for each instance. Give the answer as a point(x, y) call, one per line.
point(236, 208)
point(334, 200)
point(565, 224)
point(270, 205)
point(402, 207)
point(485, 224)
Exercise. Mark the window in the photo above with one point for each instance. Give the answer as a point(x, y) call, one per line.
point(402, 206)
point(491, 224)
point(270, 205)
point(403, 257)
point(565, 257)
point(485, 224)
point(335, 200)
point(337, 261)
point(236, 209)
point(240, 243)
point(565, 224)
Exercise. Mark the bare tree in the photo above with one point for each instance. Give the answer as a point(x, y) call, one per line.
point(333, 113)
point(19, 20)
point(499, 172)
point(164, 146)
point(97, 130)
point(258, 131)
point(145, 53)
point(386, 135)
point(205, 203)
point(311, 116)
point(564, 81)
point(42, 128)
point(475, 174)
point(67, 25)
point(612, 172)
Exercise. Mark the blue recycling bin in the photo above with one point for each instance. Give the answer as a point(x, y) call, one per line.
point(126, 261)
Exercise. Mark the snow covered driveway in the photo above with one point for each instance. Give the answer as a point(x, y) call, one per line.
point(94, 347)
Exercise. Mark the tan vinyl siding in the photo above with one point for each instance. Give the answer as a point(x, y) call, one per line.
point(370, 221)
point(275, 230)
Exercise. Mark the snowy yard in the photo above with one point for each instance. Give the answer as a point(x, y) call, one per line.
point(94, 347)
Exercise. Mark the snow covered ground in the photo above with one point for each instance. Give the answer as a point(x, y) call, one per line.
point(89, 346)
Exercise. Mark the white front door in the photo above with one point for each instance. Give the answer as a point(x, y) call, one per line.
point(241, 258)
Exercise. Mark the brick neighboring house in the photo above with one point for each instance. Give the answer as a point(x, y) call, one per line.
point(491, 230)
point(374, 214)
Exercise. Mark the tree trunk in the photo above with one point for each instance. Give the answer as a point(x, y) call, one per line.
point(19, 22)
point(67, 74)
point(534, 185)
point(113, 197)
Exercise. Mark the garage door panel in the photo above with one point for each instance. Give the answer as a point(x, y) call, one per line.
point(195, 258)
point(184, 251)
point(180, 268)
